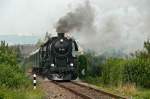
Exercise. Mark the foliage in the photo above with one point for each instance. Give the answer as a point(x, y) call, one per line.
point(22, 93)
point(12, 78)
point(11, 74)
point(147, 46)
point(121, 71)
point(112, 71)
point(91, 63)
point(118, 72)
point(13, 82)
point(82, 64)
point(144, 54)
point(142, 94)
point(128, 90)
point(7, 55)
point(137, 71)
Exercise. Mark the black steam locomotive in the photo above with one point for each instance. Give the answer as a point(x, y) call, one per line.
point(55, 59)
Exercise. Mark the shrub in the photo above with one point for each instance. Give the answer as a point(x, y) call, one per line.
point(137, 71)
point(112, 71)
point(82, 59)
point(119, 71)
point(91, 63)
point(7, 54)
point(11, 74)
point(13, 82)
point(10, 77)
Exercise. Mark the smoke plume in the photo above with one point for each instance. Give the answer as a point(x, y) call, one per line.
point(102, 27)
point(82, 17)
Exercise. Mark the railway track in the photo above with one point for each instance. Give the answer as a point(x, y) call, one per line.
point(87, 92)
point(84, 91)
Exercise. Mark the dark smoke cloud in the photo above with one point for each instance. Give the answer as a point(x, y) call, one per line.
point(82, 17)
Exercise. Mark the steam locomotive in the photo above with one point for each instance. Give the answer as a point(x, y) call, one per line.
point(55, 59)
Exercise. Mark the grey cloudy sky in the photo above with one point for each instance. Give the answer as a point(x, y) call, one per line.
point(121, 23)
point(37, 16)
point(30, 16)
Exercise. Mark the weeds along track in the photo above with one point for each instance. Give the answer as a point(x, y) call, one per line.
point(87, 92)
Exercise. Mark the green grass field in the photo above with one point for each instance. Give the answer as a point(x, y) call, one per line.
point(21, 93)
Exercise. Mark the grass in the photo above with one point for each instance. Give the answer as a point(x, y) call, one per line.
point(142, 94)
point(129, 90)
point(21, 93)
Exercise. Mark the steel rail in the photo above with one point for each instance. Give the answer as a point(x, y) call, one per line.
point(101, 91)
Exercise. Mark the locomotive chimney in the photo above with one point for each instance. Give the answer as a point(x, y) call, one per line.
point(60, 34)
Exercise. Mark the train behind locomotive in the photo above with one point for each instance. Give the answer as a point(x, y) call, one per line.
point(55, 59)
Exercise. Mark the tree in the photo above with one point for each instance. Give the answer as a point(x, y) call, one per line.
point(7, 54)
point(147, 46)
point(144, 53)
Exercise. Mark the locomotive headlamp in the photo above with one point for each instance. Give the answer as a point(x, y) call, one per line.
point(52, 65)
point(71, 64)
point(61, 40)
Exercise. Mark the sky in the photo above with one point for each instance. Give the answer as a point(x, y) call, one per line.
point(34, 17)
point(29, 17)
point(123, 24)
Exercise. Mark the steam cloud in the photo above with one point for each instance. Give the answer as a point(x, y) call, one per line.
point(99, 25)
point(82, 17)
point(123, 28)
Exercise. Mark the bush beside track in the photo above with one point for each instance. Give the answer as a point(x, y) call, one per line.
point(119, 71)
point(131, 74)
point(14, 84)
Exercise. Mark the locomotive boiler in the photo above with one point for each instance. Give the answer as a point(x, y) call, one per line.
point(55, 59)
